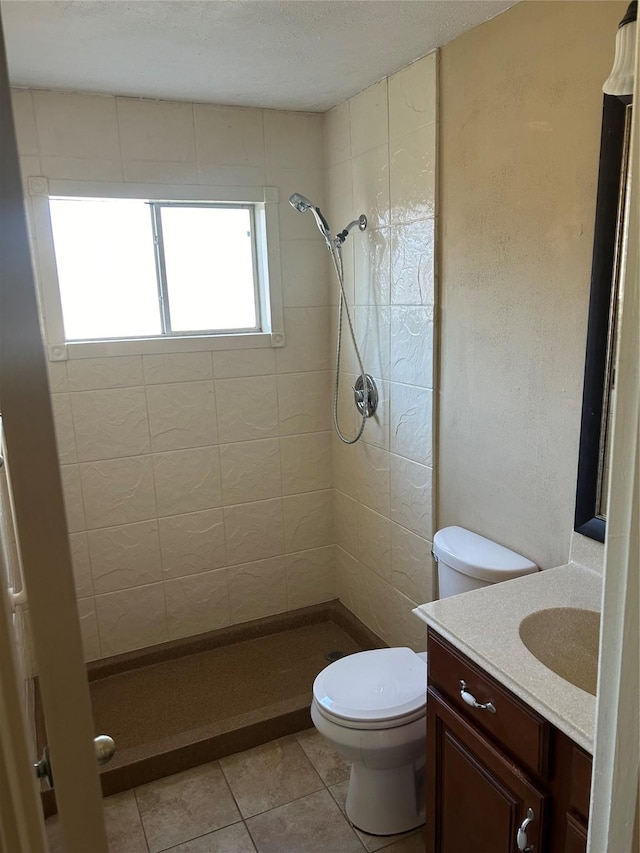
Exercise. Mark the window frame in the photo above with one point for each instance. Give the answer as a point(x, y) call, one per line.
point(266, 255)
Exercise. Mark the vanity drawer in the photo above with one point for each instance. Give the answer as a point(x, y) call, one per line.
point(520, 731)
point(580, 786)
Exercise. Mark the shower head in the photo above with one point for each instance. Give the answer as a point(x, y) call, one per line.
point(302, 203)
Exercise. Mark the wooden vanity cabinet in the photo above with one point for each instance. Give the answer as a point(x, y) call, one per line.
point(487, 769)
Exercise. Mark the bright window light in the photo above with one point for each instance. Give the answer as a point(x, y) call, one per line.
point(106, 268)
point(132, 268)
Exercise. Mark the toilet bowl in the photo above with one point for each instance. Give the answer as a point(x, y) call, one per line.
point(371, 706)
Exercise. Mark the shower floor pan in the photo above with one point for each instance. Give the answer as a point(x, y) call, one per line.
point(180, 704)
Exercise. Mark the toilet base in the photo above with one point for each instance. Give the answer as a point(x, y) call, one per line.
point(386, 802)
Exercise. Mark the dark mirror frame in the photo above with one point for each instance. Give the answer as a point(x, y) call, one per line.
point(588, 522)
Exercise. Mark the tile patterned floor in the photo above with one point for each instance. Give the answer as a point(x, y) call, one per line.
point(284, 797)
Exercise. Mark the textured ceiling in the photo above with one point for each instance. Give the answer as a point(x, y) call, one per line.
point(299, 54)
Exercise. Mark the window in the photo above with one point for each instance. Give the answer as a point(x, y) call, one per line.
point(135, 274)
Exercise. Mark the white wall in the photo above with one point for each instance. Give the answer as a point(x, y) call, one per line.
point(381, 161)
point(197, 485)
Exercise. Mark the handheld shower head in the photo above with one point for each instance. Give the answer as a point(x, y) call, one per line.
point(302, 203)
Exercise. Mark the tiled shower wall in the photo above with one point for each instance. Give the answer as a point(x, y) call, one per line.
point(381, 161)
point(197, 485)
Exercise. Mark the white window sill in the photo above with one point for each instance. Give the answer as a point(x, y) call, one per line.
point(163, 345)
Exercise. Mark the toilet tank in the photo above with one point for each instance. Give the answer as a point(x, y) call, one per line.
point(468, 561)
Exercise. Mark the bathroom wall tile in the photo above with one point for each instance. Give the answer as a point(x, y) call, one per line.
point(337, 134)
point(340, 209)
point(388, 613)
point(197, 604)
point(254, 531)
point(89, 629)
point(346, 522)
point(349, 418)
point(307, 336)
point(371, 473)
point(118, 491)
point(304, 402)
point(412, 263)
point(348, 275)
point(374, 541)
point(348, 580)
point(25, 121)
point(88, 374)
point(412, 422)
point(373, 266)
point(230, 364)
point(345, 468)
point(371, 186)
point(81, 564)
point(413, 175)
point(192, 543)
point(74, 125)
point(412, 346)
point(81, 169)
point(412, 96)
point(308, 181)
point(156, 130)
point(369, 118)
point(72, 494)
point(65, 435)
point(132, 619)
point(247, 408)
point(373, 330)
point(182, 415)
point(187, 480)
point(229, 135)
point(306, 462)
point(305, 273)
point(310, 577)
point(377, 429)
point(57, 371)
point(251, 471)
point(257, 589)
point(411, 499)
point(232, 176)
point(293, 140)
point(177, 367)
point(124, 557)
point(160, 171)
point(308, 520)
point(411, 564)
point(109, 424)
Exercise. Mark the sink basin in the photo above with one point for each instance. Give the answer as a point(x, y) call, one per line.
point(565, 639)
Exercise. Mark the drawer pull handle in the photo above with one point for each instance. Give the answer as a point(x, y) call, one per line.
point(470, 699)
point(521, 839)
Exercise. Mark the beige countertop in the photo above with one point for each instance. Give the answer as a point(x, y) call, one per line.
point(484, 625)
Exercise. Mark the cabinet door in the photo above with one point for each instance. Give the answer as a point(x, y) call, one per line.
point(476, 797)
point(576, 838)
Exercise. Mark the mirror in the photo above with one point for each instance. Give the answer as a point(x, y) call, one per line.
point(599, 378)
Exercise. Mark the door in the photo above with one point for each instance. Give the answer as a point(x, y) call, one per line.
point(44, 556)
point(477, 799)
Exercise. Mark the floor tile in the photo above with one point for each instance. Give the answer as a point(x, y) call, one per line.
point(122, 821)
point(333, 768)
point(412, 844)
point(185, 806)
point(231, 839)
point(374, 842)
point(312, 824)
point(270, 776)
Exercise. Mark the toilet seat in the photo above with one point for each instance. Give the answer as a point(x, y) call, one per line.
point(377, 689)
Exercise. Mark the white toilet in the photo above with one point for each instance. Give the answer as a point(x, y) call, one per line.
point(371, 706)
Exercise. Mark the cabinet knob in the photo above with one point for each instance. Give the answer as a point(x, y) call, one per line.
point(521, 838)
point(470, 699)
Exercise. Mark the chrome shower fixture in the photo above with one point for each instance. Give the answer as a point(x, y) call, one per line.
point(302, 203)
point(364, 391)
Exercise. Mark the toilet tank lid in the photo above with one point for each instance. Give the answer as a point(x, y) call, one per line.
point(478, 557)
